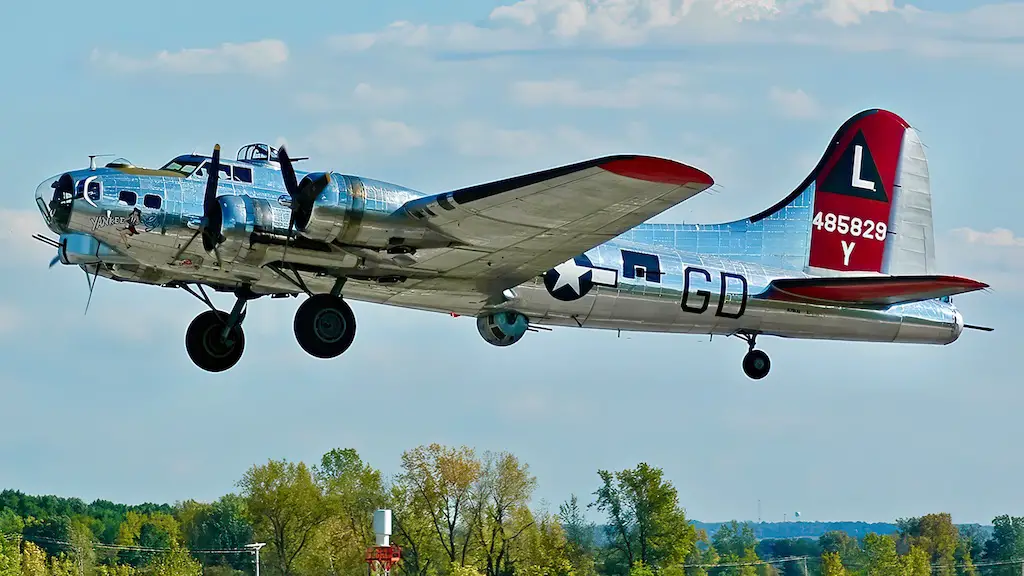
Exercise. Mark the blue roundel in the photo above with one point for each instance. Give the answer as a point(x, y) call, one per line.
point(570, 280)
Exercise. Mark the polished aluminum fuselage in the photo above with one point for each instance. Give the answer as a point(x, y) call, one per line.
point(685, 293)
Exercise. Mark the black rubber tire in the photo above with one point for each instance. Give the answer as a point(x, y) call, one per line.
point(324, 326)
point(204, 344)
point(756, 364)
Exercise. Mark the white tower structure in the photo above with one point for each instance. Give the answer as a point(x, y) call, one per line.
point(382, 527)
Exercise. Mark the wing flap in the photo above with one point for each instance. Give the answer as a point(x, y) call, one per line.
point(868, 291)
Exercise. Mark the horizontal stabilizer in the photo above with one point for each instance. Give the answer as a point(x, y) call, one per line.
point(869, 291)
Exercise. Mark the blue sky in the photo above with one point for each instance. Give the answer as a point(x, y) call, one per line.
point(441, 95)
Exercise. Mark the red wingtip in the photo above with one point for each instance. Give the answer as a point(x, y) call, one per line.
point(651, 169)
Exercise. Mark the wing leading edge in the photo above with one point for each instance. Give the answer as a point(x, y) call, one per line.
point(870, 291)
point(511, 230)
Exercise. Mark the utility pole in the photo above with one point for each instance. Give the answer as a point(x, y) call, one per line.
point(256, 550)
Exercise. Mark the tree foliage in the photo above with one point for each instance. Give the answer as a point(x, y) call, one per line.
point(457, 513)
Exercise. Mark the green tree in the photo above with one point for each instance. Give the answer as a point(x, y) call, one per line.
point(217, 526)
point(287, 506)
point(849, 551)
point(355, 490)
point(916, 562)
point(702, 555)
point(176, 562)
point(504, 488)
point(33, 560)
point(936, 535)
point(881, 555)
point(442, 478)
point(1006, 543)
point(735, 544)
point(10, 556)
point(542, 550)
point(832, 565)
point(579, 535)
point(645, 522)
point(414, 531)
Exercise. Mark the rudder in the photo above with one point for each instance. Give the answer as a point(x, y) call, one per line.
point(872, 203)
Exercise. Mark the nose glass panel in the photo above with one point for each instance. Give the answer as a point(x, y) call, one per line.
point(44, 194)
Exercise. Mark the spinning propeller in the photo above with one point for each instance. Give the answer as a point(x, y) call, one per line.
point(62, 244)
point(302, 196)
point(211, 222)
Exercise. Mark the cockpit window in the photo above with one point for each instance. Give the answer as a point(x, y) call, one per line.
point(225, 171)
point(186, 167)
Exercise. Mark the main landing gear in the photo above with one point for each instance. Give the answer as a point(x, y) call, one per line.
point(755, 363)
point(215, 340)
point(324, 327)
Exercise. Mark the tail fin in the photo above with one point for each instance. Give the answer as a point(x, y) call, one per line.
point(869, 199)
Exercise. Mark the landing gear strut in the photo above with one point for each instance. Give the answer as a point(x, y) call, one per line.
point(215, 340)
point(755, 363)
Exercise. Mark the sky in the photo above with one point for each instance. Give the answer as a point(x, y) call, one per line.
point(441, 95)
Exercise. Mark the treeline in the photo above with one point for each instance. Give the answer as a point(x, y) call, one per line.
point(459, 513)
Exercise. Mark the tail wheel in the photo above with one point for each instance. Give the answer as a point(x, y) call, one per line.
point(324, 326)
point(206, 346)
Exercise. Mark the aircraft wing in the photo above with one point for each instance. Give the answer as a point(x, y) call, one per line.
point(868, 291)
point(511, 230)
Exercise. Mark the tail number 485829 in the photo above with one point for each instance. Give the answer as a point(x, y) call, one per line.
point(854, 227)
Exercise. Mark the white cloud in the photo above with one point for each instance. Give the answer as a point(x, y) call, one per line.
point(551, 146)
point(16, 232)
point(623, 20)
point(846, 12)
point(10, 319)
point(250, 58)
point(336, 139)
point(794, 103)
point(379, 136)
point(396, 136)
point(668, 90)
point(1000, 237)
point(995, 256)
point(547, 24)
point(378, 96)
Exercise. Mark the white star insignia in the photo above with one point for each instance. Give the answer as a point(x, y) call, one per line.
point(569, 274)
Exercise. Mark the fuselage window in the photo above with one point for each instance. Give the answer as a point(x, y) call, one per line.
point(243, 175)
point(128, 197)
point(151, 201)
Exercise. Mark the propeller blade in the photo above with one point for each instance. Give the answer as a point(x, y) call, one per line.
point(212, 177)
point(92, 285)
point(54, 261)
point(288, 173)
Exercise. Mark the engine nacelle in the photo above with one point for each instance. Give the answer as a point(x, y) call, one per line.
point(502, 328)
point(240, 217)
point(76, 249)
point(326, 218)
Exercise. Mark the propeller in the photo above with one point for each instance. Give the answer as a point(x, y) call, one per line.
point(303, 196)
point(91, 283)
point(85, 268)
point(210, 224)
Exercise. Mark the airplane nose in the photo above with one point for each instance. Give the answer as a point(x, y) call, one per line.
point(54, 197)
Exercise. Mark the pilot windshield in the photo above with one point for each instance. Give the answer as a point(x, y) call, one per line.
point(182, 166)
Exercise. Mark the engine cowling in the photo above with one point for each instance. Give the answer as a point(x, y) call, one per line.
point(325, 218)
point(76, 249)
point(240, 217)
point(502, 328)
